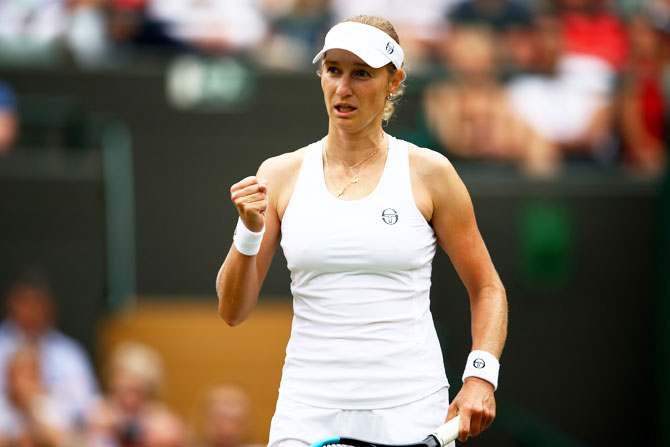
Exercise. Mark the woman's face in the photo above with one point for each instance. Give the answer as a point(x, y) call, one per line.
point(354, 92)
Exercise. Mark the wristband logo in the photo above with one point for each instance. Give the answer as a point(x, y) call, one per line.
point(479, 363)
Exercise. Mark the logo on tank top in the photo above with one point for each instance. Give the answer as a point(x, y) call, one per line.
point(389, 216)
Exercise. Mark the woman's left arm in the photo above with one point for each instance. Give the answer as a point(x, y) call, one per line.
point(453, 220)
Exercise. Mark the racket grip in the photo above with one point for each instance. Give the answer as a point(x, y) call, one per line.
point(448, 432)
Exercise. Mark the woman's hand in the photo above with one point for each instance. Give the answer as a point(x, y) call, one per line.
point(250, 199)
point(476, 405)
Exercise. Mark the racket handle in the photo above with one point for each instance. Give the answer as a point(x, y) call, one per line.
point(449, 431)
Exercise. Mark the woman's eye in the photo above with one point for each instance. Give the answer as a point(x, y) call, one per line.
point(332, 70)
point(362, 73)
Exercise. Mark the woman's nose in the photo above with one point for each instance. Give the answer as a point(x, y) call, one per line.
point(343, 87)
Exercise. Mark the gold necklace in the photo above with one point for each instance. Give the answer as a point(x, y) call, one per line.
point(355, 178)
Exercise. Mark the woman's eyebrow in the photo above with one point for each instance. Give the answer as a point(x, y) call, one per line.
point(356, 64)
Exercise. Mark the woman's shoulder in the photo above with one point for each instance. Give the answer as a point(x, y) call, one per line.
point(280, 173)
point(427, 162)
point(435, 179)
point(429, 172)
point(283, 164)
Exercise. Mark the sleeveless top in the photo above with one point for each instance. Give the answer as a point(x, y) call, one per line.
point(362, 335)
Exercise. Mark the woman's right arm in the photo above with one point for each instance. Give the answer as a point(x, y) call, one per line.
point(240, 277)
point(260, 200)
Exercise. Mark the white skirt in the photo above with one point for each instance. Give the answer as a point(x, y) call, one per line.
point(295, 424)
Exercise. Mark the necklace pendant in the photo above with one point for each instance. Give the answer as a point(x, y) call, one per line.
point(340, 192)
point(354, 180)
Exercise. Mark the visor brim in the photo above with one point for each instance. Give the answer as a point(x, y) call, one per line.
point(369, 55)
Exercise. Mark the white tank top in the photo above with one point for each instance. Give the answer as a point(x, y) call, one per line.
point(362, 335)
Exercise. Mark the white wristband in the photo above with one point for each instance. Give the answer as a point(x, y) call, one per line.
point(246, 241)
point(483, 365)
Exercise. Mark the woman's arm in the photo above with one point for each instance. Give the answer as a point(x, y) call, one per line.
point(240, 277)
point(457, 233)
point(442, 197)
point(260, 201)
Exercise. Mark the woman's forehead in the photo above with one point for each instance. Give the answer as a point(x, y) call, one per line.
point(343, 57)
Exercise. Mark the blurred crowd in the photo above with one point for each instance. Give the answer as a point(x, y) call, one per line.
point(52, 397)
point(574, 82)
point(533, 84)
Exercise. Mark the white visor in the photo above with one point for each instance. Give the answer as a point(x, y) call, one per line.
point(371, 44)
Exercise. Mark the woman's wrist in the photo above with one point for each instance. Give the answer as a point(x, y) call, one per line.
point(483, 365)
point(246, 241)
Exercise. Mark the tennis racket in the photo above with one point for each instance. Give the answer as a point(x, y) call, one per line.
point(440, 437)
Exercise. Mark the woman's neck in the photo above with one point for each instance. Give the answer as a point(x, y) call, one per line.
point(351, 148)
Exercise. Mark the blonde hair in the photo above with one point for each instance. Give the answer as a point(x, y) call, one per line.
point(140, 360)
point(219, 402)
point(387, 27)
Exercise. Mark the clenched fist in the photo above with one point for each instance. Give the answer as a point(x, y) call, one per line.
point(251, 200)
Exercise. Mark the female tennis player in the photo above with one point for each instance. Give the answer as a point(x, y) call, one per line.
point(360, 214)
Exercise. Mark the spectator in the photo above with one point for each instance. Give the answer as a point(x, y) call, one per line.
point(510, 20)
point(48, 31)
point(66, 372)
point(659, 13)
point(133, 379)
point(32, 30)
point(643, 104)
point(225, 417)
point(160, 427)
point(29, 416)
point(569, 105)
point(591, 28)
point(467, 113)
point(499, 15)
point(87, 34)
point(211, 26)
point(8, 119)
point(297, 27)
point(126, 20)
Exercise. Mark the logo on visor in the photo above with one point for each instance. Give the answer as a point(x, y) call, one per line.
point(390, 48)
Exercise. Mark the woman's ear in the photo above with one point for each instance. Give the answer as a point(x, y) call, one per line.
point(398, 77)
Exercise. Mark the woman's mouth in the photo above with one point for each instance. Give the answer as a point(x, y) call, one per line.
point(344, 108)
